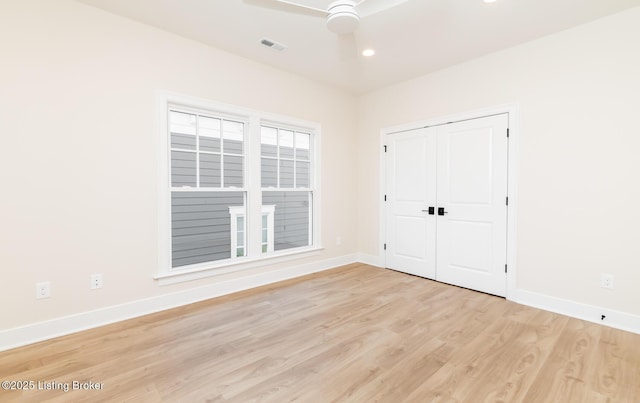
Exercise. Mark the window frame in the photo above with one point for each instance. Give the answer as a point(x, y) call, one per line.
point(252, 187)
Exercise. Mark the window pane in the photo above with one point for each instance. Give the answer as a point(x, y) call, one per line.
point(209, 134)
point(209, 144)
point(292, 218)
point(210, 170)
point(269, 141)
point(183, 168)
point(233, 137)
point(269, 172)
point(264, 248)
point(302, 174)
point(265, 235)
point(240, 231)
point(265, 221)
point(302, 146)
point(183, 141)
point(209, 127)
point(286, 174)
point(233, 171)
point(286, 144)
point(182, 123)
point(201, 226)
point(240, 252)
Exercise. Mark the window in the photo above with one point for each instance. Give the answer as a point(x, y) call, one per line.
point(207, 177)
point(213, 212)
point(285, 169)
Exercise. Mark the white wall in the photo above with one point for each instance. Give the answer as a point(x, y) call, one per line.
point(578, 93)
point(78, 152)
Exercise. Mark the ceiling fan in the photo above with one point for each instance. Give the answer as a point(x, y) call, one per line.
point(342, 16)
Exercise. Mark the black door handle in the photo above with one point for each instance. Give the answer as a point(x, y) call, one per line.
point(431, 210)
point(441, 211)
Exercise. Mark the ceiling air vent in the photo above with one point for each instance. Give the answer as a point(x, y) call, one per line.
point(272, 44)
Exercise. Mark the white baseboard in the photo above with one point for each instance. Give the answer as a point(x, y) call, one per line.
point(21, 336)
point(590, 313)
point(369, 259)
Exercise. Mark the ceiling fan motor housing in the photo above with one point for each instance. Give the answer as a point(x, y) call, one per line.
point(343, 17)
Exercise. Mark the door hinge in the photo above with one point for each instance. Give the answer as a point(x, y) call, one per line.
point(505, 268)
point(385, 246)
point(385, 149)
point(507, 200)
point(507, 132)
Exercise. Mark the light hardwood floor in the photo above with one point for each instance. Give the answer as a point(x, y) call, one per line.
point(352, 334)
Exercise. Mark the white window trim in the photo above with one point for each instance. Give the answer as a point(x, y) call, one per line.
point(238, 211)
point(167, 275)
point(234, 213)
point(269, 210)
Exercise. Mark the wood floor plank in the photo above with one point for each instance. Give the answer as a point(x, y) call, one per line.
point(352, 334)
point(617, 368)
point(566, 370)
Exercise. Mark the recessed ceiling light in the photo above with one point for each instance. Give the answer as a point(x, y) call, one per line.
point(368, 52)
point(489, 1)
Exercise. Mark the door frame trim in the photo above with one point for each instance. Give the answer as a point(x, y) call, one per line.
point(512, 110)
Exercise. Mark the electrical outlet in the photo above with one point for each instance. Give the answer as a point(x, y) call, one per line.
point(606, 281)
point(43, 290)
point(96, 281)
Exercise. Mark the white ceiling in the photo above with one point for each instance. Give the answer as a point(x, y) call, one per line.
point(411, 39)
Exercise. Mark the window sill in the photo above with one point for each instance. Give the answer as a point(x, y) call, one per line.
point(181, 276)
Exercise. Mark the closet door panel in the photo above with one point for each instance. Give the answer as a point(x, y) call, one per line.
point(411, 171)
point(472, 190)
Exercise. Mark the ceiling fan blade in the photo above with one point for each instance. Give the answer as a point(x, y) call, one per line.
point(289, 7)
point(369, 7)
point(347, 46)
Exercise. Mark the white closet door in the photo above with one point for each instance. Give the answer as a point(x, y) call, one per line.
point(472, 189)
point(411, 187)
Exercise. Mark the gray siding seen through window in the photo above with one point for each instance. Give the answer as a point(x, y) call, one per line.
point(201, 226)
point(291, 218)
